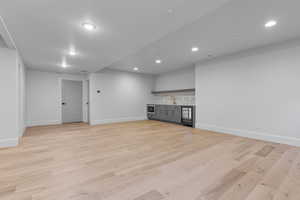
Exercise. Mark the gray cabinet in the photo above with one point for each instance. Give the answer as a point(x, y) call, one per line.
point(170, 113)
point(177, 114)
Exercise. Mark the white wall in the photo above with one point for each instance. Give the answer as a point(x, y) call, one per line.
point(179, 79)
point(44, 96)
point(22, 96)
point(6, 41)
point(9, 104)
point(123, 96)
point(253, 94)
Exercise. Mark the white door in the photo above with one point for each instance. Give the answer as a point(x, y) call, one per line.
point(85, 102)
point(71, 101)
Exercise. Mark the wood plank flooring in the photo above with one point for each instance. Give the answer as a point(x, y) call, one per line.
point(146, 160)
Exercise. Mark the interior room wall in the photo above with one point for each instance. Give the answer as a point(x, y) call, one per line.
point(9, 103)
point(123, 96)
point(175, 80)
point(22, 95)
point(44, 96)
point(253, 94)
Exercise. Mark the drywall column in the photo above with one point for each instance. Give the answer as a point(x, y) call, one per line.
point(22, 96)
point(9, 101)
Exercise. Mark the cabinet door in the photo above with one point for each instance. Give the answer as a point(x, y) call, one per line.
point(162, 112)
point(165, 113)
point(177, 115)
point(171, 113)
point(157, 111)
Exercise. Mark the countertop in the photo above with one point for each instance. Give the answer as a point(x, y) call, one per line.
point(172, 104)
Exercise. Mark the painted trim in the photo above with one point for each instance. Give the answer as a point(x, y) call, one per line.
point(23, 130)
point(251, 134)
point(116, 120)
point(11, 142)
point(43, 123)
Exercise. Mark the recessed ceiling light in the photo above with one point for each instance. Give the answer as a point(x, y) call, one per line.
point(135, 69)
point(195, 49)
point(158, 61)
point(89, 26)
point(270, 23)
point(64, 64)
point(72, 52)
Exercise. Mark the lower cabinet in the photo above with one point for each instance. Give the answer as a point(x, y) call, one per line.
point(170, 113)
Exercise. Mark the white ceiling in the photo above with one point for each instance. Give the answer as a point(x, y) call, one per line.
point(5, 40)
point(133, 33)
point(2, 42)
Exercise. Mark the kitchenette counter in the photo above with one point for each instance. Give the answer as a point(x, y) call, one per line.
point(172, 104)
point(180, 114)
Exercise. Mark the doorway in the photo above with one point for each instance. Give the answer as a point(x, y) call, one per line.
point(72, 99)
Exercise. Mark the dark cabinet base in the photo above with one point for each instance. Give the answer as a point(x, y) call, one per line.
point(173, 114)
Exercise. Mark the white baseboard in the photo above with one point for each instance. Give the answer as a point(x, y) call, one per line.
point(116, 120)
point(10, 142)
point(43, 123)
point(251, 134)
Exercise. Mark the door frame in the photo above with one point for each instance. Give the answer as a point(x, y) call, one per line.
point(85, 85)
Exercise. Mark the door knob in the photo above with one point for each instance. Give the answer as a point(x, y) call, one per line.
point(63, 103)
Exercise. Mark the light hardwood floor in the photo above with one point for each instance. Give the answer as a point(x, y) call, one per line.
point(146, 160)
